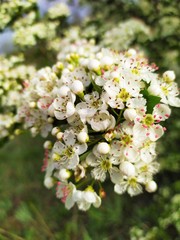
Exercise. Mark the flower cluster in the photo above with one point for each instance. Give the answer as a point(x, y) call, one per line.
point(126, 33)
point(13, 76)
point(105, 111)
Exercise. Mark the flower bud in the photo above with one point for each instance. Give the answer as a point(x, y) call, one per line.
point(47, 145)
point(59, 135)
point(93, 64)
point(34, 131)
point(154, 89)
point(130, 114)
point(64, 174)
point(48, 182)
point(55, 157)
point(77, 87)
point(50, 120)
point(103, 148)
point(127, 168)
point(131, 52)
point(169, 76)
point(55, 130)
point(106, 61)
point(32, 104)
point(83, 137)
point(115, 75)
point(151, 186)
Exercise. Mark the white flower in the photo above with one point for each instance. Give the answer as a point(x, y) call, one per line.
point(129, 184)
point(79, 74)
point(64, 106)
point(101, 121)
point(85, 198)
point(66, 192)
point(102, 163)
point(168, 92)
point(91, 104)
point(146, 170)
point(147, 128)
point(66, 155)
point(161, 112)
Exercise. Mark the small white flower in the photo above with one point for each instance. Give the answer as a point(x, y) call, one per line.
point(91, 104)
point(130, 184)
point(66, 155)
point(101, 121)
point(64, 106)
point(85, 198)
point(102, 163)
point(66, 192)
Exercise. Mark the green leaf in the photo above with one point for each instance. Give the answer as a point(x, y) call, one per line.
point(151, 100)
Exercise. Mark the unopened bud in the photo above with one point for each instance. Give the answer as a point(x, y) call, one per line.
point(48, 182)
point(83, 137)
point(127, 168)
point(169, 76)
point(151, 186)
point(59, 135)
point(93, 64)
point(64, 174)
point(77, 87)
point(32, 104)
point(55, 130)
point(103, 148)
point(47, 145)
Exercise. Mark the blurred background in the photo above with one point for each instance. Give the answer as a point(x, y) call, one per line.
point(27, 209)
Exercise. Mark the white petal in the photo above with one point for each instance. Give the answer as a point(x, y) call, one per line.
point(91, 160)
point(73, 162)
point(155, 132)
point(69, 138)
point(89, 196)
point(120, 189)
point(70, 109)
point(69, 202)
point(58, 147)
point(60, 115)
point(115, 175)
point(80, 148)
point(97, 204)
